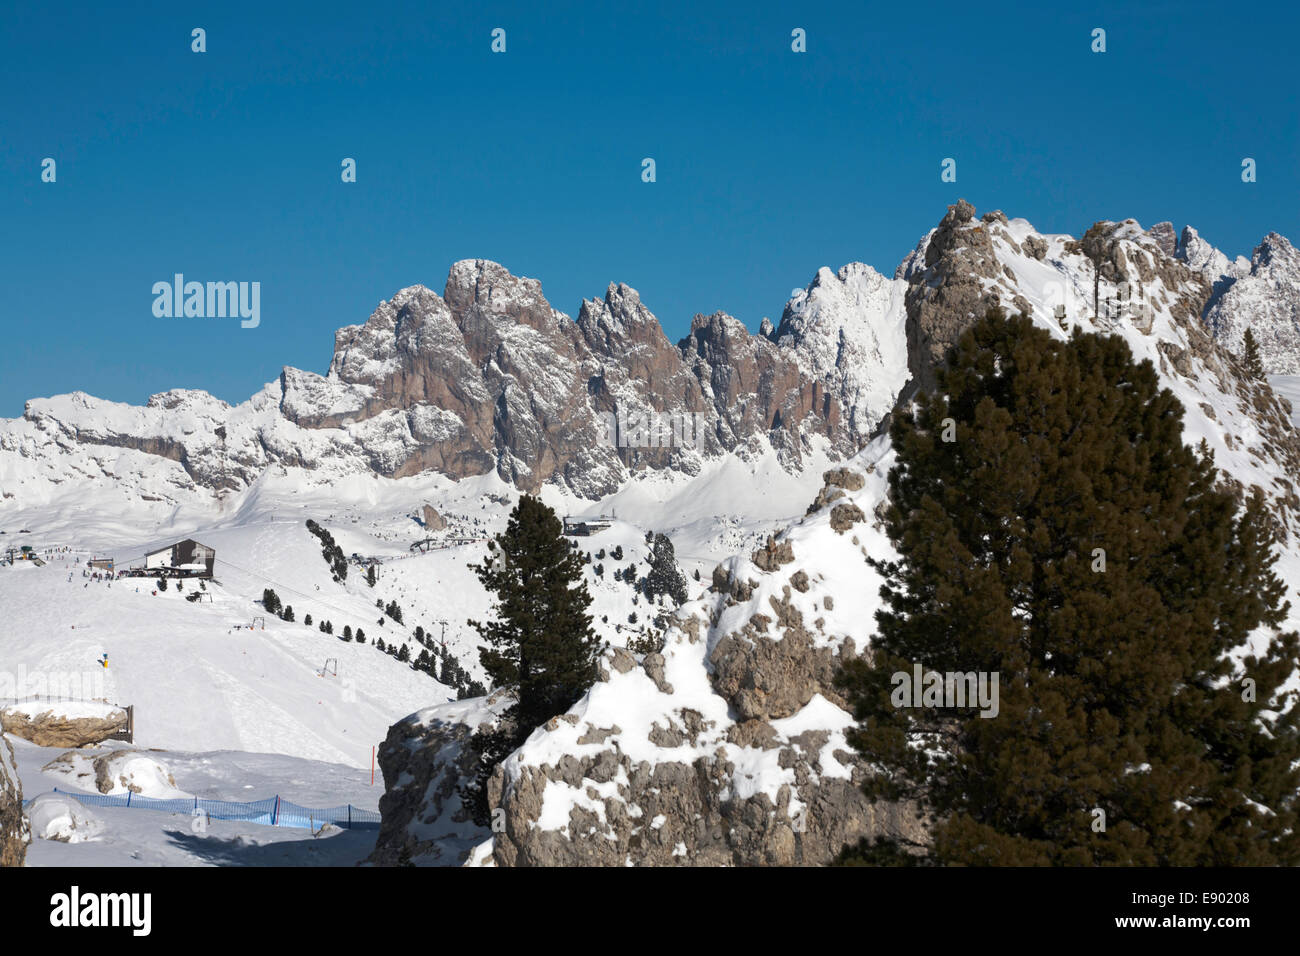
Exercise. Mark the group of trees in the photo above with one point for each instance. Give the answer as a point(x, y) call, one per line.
point(330, 551)
point(391, 609)
point(662, 578)
point(440, 664)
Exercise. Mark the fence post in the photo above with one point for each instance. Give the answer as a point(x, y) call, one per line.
point(349, 816)
point(275, 815)
point(128, 798)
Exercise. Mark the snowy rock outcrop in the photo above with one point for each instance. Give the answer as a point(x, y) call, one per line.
point(426, 760)
point(14, 835)
point(62, 725)
point(727, 747)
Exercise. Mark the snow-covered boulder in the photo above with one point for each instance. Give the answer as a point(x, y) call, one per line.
point(56, 816)
point(117, 772)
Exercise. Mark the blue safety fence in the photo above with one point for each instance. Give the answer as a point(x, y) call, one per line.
point(272, 812)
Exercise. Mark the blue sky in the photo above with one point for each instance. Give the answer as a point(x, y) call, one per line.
point(225, 165)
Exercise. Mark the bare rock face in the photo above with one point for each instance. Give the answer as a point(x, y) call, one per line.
point(50, 729)
point(14, 835)
point(686, 815)
point(1165, 237)
point(432, 520)
point(489, 376)
point(766, 677)
point(773, 554)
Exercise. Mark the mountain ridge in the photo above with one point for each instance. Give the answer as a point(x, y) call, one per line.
point(489, 377)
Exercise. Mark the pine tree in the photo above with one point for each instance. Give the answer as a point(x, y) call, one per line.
point(270, 601)
point(1069, 543)
point(540, 647)
point(404, 654)
point(1250, 356)
point(370, 575)
point(306, 619)
point(347, 632)
point(288, 613)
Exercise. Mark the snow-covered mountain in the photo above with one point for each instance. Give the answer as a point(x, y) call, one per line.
point(726, 746)
point(488, 377)
point(1262, 295)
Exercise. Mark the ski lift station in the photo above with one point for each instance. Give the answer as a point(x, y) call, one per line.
point(583, 527)
point(187, 558)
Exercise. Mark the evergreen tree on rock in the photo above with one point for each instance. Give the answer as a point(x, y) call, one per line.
point(1250, 356)
point(1068, 542)
point(540, 645)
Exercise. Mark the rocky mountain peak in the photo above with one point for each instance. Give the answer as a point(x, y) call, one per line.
point(491, 289)
point(1165, 237)
point(1264, 296)
point(619, 321)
